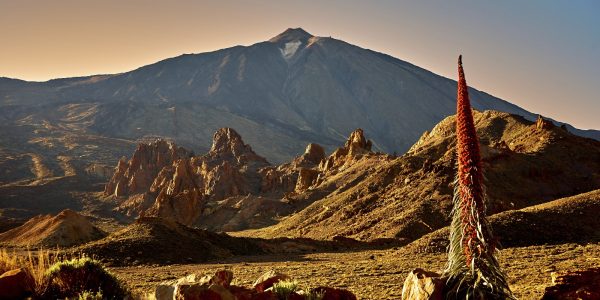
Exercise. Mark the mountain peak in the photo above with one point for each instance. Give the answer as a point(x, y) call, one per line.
point(292, 34)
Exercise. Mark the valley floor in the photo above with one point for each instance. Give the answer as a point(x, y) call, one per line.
point(377, 274)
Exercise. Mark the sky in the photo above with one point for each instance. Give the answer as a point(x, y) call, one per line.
point(542, 55)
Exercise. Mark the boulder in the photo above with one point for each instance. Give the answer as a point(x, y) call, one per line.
point(222, 291)
point(221, 277)
point(193, 291)
point(241, 293)
point(14, 284)
point(267, 280)
point(423, 285)
point(164, 291)
point(583, 285)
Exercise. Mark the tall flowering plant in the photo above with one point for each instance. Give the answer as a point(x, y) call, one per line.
point(472, 269)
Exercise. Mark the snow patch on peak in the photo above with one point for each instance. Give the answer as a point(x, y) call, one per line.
point(290, 49)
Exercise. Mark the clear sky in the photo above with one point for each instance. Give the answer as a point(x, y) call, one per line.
point(541, 55)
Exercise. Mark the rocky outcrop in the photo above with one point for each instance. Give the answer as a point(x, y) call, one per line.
point(136, 175)
point(306, 178)
point(190, 190)
point(295, 176)
point(228, 145)
point(355, 146)
point(542, 123)
point(313, 155)
point(230, 168)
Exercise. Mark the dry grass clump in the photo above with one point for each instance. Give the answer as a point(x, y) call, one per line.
point(52, 275)
point(35, 264)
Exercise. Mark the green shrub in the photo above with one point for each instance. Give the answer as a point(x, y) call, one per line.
point(285, 288)
point(87, 295)
point(82, 277)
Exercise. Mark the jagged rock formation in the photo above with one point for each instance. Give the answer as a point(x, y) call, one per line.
point(355, 146)
point(191, 189)
point(379, 196)
point(542, 123)
point(68, 228)
point(137, 174)
point(229, 169)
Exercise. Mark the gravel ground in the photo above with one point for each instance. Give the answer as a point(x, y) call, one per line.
point(377, 274)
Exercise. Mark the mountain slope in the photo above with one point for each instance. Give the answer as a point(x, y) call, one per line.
point(566, 220)
point(279, 94)
point(68, 228)
point(525, 164)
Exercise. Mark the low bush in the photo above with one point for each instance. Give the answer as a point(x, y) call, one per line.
point(285, 288)
point(81, 277)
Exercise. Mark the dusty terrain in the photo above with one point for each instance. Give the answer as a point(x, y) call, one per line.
point(543, 184)
point(66, 229)
point(378, 274)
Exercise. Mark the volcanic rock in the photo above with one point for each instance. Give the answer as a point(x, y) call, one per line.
point(137, 174)
point(267, 280)
point(191, 190)
point(423, 285)
point(542, 123)
point(313, 155)
point(355, 146)
point(306, 178)
point(229, 169)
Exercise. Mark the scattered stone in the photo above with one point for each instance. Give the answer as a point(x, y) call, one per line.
point(222, 291)
point(267, 280)
point(222, 278)
point(580, 285)
point(195, 292)
point(423, 285)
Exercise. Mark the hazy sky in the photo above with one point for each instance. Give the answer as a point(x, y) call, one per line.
point(541, 55)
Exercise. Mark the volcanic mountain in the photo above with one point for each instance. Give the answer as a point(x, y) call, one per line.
point(280, 94)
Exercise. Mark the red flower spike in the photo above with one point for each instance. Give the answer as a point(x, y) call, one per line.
point(472, 270)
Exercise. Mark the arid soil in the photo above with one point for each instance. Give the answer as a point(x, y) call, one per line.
point(377, 274)
point(65, 229)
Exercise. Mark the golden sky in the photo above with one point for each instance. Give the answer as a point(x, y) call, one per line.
point(542, 57)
